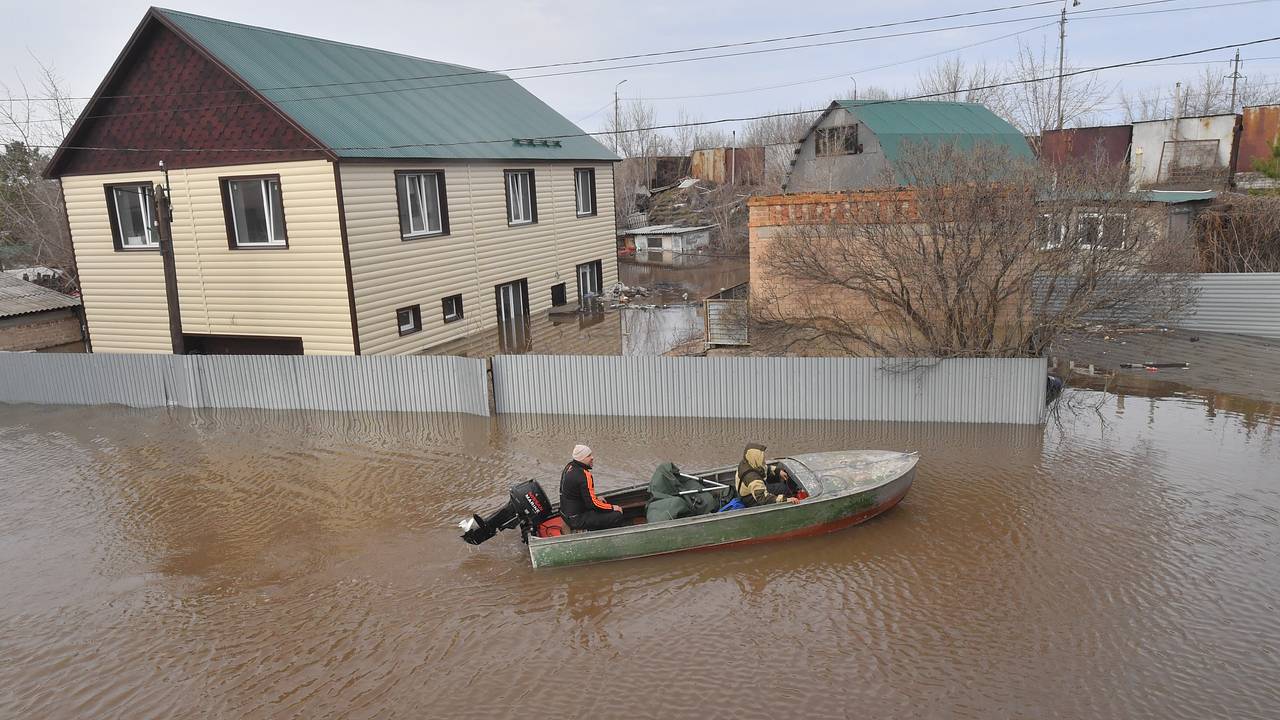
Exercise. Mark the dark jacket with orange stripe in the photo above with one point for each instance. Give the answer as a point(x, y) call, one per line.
point(578, 492)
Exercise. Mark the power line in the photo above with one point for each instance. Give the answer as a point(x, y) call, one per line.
point(665, 62)
point(656, 63)
point(635, 56)
point(695, 123)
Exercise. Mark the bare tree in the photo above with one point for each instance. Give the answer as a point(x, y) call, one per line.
point(1032, 107)
point(1206, 93)
point(32, 219)
point(1240, 233)
point(985, 255)
point(954, 80)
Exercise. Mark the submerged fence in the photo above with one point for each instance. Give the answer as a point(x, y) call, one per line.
point(960, 390)
point(1241, 303)
point(979, 391)
point(272, 382)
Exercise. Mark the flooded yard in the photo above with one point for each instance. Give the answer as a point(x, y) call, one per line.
point(258, 564)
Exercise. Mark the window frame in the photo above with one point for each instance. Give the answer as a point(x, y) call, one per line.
point(822, 140)
point(1096, 242)
point(113, 216)
point(443, 197)
point(597, 276)
point(444, 307)
point(562, 290)
point(228, 213)
point(533, 196)
point(590, 174)
point(415, 314)
point(1042, 231)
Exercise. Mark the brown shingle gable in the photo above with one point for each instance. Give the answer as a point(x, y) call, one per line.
point(179, 99)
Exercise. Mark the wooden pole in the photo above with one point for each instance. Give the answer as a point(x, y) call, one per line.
point(164, 223)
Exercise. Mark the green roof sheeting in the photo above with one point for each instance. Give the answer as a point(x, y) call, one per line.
point(429, 110)
point(898, 122)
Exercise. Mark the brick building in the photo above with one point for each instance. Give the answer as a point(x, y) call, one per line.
point(37, 318)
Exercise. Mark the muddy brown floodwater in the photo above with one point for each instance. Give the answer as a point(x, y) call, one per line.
point(268, 565)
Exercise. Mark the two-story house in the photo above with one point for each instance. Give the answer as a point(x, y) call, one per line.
point(326, 198)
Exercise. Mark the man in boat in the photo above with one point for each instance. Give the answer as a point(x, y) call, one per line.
point(758, 483)
point(579, 504)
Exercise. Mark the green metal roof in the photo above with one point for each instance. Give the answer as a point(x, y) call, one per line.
point(383, 104)
point(899, 122)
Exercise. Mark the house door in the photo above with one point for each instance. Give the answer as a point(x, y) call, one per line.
point(513, 316)
point(590, 277)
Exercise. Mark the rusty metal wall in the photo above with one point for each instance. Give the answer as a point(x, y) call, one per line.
point(912, 390)
point(1260, 128)
point(307, 382)
point(1110, 144)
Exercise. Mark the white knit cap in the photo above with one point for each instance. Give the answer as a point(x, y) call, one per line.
point(581, 453)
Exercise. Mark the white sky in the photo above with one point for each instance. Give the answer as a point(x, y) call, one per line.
point(81, 39)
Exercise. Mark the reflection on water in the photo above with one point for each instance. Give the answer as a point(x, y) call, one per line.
point(271, 564)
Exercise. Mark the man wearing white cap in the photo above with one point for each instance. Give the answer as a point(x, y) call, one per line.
point(579, 504)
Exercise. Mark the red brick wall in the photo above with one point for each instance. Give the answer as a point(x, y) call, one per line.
point(39, 331)
point(186, 101)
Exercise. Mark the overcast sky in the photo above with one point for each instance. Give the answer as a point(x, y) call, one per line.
point(81, 39)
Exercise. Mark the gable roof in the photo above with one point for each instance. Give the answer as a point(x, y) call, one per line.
point(899, 122)
point(19, 297)
point(358, 102)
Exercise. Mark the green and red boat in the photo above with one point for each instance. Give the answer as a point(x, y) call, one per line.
point(839, 489)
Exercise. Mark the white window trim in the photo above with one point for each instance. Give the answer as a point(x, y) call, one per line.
point(1054, 219)
point(456, 314)
point(149, 232)
point(265, 185)
point(422, 198)
point(520, 212)
point(1102, 230)
point(415, 321)
point(583, 178)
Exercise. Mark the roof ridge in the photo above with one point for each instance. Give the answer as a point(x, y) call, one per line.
point(286, 33)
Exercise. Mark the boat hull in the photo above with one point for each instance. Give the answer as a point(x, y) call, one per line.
point(839, 503)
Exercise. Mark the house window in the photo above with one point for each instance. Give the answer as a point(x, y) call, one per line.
point(423, 207)
point(522, 198)
point(452, 308)
point(837, 141)
point(559, 295)
point(590, 278)
point(584, 187)
point(409, 319)
point(654, 243)
point(254, 212)
point(132, 211)
point(1105, 231)
point(1051, 231)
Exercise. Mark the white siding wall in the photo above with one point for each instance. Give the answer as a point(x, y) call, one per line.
point(481, 250)
point(296, 292)
point(1149, 140)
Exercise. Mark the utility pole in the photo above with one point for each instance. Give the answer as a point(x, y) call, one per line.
point(164, 227)
point(1235, 76)
point(1062, 53)
point(617, 121)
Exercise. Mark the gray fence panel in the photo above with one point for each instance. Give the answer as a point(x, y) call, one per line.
point(1241, 303)
point(961, 390)
point(408, 383)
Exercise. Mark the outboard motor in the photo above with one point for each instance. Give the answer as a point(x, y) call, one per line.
point(528, 507)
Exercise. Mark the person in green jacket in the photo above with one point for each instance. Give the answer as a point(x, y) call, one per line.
point(758, 483)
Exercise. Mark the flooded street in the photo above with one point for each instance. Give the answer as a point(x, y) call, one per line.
point(263, 565)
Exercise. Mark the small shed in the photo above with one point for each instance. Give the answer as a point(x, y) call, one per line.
point(37, 318)
point(663, 242)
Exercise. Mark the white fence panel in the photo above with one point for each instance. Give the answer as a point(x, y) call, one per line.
point(1241, 303)
point(959, 390)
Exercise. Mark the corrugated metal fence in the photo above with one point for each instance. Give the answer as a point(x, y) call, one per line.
point(960, 390)
point(309, 382)
point(1241, 303)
